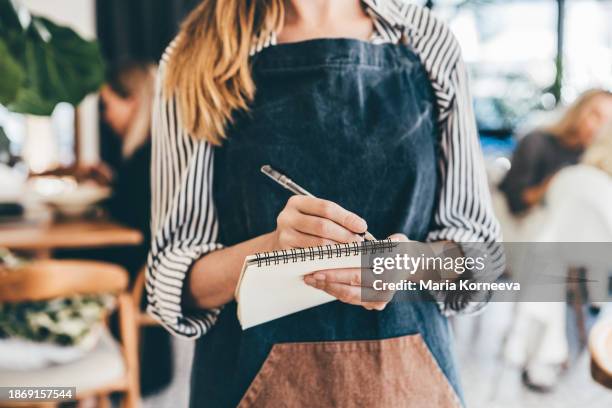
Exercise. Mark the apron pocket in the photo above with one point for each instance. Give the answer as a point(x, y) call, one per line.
point(397, 372)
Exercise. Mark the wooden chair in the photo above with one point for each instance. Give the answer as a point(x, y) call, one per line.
point(111, 366)
point(600, 347)
point(143, 319)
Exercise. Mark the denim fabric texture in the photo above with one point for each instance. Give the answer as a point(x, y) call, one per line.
point(352, 122)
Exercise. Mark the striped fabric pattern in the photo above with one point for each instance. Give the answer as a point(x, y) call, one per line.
point(184, 224)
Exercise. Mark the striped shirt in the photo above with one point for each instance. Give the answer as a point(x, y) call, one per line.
point(184, 224)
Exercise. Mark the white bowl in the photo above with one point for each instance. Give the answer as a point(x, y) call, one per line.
point(69, 197)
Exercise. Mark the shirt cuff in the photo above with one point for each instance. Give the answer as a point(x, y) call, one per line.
point(465, 302)
point(165, 283)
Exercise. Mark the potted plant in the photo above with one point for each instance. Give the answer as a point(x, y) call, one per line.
point(42, 63)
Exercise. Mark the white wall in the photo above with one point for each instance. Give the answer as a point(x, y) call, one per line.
point(79, 15)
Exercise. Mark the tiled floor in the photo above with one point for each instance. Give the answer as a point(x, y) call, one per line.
point(177, 394)
point(487, 382)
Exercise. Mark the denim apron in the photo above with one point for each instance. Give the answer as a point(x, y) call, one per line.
point(354, 123)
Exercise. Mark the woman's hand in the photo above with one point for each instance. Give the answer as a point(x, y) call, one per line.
point(345, 284)
point(308, 221)
point(304, 222)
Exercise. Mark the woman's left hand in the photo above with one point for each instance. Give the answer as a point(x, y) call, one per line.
point(345, 284)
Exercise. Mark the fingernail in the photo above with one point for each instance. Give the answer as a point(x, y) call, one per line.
point(319, 276)
point(309, 280)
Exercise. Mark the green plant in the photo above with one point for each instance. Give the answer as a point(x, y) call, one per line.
point(42, 63)
point(62, 321)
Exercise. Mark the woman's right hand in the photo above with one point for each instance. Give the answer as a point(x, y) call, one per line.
point(304, 222)
point(309, 221)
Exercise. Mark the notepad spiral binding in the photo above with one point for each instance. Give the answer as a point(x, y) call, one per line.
point(321, 252)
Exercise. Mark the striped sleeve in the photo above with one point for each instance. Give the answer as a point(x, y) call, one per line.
point(464, 213)
point(183, 223)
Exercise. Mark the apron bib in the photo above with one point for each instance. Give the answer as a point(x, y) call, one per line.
point(353, 123)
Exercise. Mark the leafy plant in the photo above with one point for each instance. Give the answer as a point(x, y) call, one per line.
point(42, 63)
point(62, 321)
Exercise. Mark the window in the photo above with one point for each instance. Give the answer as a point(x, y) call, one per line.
point(14, 127)
point(512, 46)
point(42, 143)
point(587, 47)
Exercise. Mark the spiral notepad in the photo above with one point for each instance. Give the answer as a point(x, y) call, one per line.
point(271, 284)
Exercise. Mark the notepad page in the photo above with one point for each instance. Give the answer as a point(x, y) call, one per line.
point(268, 292)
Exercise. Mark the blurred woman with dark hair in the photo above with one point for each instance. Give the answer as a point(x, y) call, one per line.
point(544, 152)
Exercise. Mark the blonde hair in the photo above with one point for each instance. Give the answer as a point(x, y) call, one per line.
point(209, 71)
point(135, 80)
point(599, 154)
point(567, 126)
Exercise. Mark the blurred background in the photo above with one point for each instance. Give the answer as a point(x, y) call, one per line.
point(76, 80)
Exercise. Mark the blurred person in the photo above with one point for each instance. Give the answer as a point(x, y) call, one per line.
point(126, 100)
point(545, 151)
point(579, 196)
point(578, 211)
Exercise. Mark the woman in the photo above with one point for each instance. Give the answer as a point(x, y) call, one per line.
point(578, 211)
point(585, 192)
point(126, 100)
point(366, 103)
point(542, 153)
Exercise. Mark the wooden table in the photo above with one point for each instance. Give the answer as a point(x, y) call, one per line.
point(67, 235)
point(600, 347)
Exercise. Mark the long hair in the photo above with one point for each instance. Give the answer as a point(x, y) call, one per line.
point(135, 80)
point(208, 71)
point(568, 125)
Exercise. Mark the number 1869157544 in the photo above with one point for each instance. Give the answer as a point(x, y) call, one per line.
point(37, 393)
